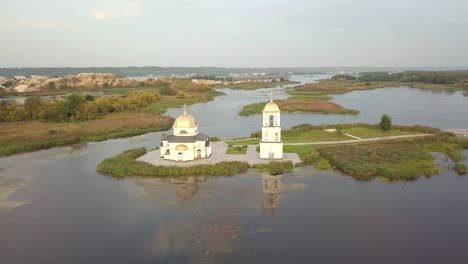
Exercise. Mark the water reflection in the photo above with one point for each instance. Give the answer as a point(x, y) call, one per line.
point(271, 189)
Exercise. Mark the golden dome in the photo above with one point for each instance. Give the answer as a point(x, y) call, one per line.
point(181, 147)
point(271, 107)
point(185, 121)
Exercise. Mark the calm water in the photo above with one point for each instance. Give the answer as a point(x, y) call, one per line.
point(62, 211)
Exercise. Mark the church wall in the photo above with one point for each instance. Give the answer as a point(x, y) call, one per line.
point(190, 154)
point(275, 148)
point(271, 134)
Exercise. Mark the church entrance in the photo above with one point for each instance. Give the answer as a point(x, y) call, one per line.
point(198, 153)
point(271, 120)
point(180, 156)
point(271, 155)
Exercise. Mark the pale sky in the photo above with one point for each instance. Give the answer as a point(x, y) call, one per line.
point(235, 33)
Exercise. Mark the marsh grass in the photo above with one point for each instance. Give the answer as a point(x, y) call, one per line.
point(276, 167)
point(31, 136)
point(125, 164)
point(405, 159)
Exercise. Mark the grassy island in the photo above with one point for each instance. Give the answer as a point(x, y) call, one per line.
point(125, 164)
point(309, 105)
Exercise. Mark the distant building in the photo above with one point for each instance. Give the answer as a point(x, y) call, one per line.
point(271, 146)
point(186, 143)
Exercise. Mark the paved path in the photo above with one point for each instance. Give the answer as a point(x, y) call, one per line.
point(357, 140)
point(218, 155)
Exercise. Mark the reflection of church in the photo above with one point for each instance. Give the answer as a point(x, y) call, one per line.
point(185, 143)
point(271, 185)
point(187, 187)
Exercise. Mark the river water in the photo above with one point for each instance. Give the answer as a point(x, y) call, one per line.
point(61, 211)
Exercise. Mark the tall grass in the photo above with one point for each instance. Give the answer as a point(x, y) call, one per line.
point(396, 159)
point(6, 150)
point(276, 167)
point(125, 164)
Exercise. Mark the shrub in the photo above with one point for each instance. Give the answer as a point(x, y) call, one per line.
point(385, 123)
point(460, 168)
point(323, 164)
point(311, 158)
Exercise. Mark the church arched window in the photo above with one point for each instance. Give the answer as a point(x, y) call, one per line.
point(276, 136)
point(271, 120)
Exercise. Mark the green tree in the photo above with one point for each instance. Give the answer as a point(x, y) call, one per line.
point(72, 102)
point(89, 98)
point(339, 130)
point(385, 123)
point(33, 106)
point(282, 79)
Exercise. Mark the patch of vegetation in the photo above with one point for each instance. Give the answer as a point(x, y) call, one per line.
point(73, 108)
point(311, 133)
point(323, 164)
point(30, 136)
point(460, 168)
point(125, 164)
point(236, 149)
point(247, 141)
point(276, 167)
point(395, 160)
point(432, 77)
point(343, 77)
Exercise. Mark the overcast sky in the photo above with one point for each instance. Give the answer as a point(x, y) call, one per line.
point(234, 33)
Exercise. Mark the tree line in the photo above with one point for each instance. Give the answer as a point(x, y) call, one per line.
point(72, 108)
point(433, 77)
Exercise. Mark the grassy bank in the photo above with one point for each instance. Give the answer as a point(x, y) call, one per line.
point(30, 136)
point(125, 164)
point(276, 167)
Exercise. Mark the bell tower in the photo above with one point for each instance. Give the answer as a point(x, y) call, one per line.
point(271, 145)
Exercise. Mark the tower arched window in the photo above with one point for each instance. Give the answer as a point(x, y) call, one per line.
point(271, 120)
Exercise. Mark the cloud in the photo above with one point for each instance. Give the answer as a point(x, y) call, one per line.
point(130, 8)
point(100, 14)
point(47, 24)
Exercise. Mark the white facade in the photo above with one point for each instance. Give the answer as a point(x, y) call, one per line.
point(271, 145)
point(186, 143)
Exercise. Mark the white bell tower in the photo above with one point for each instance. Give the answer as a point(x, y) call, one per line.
point(271, 146)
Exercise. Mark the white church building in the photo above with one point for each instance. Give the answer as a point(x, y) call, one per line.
point(271, 146)
point(185, 143)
